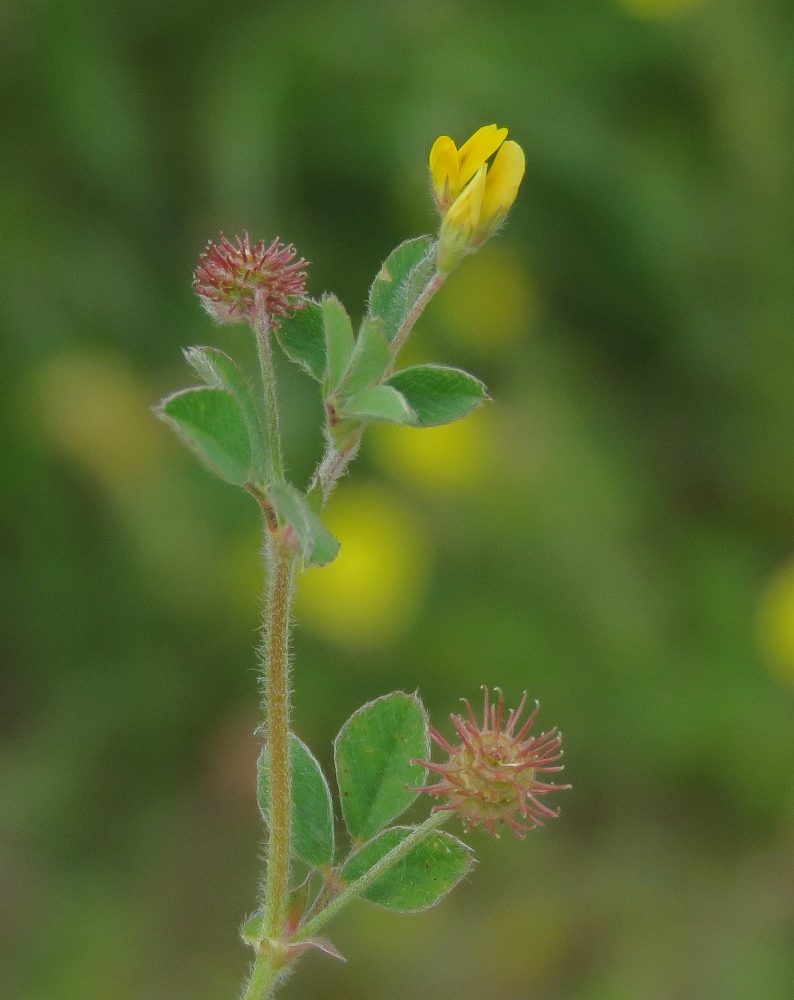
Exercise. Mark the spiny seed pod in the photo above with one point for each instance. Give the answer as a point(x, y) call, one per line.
point(234, 281)
point(491, 777)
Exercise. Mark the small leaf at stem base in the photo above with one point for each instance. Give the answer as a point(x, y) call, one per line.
point(318, 545)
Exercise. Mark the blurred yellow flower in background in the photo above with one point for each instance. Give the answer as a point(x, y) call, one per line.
point(448, 459)
point(371, 593)
point(92, 408)
point(490, 307)
point(775, 623)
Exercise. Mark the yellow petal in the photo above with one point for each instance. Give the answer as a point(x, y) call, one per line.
point(464, 214)
point(444, 166)
point(503, 181)
point(476, 150)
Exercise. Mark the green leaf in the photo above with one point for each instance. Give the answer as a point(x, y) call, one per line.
point(339, 339)
point(438, 395)
point(312, 809)
point(420, 879)
point(371, 357)
point(302, 338)
point(373, 753)
point(221, 372)
point(379, 403)
point(318, 544)
point(211, 424)
point(400, 281)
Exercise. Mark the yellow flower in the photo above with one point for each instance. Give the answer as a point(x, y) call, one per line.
point(472, 198)
point(452, 168)
point(502, 183)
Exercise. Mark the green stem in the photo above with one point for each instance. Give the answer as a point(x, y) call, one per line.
point(261, 327)
point(334, 462)
point(388, 861)
point(264, 976)
point(282, 560)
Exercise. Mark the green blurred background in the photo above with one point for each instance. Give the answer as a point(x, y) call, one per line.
point(615, 532)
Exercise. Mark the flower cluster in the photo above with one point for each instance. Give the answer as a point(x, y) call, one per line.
point(472, 197)
point(492, 776)
point(235, 282)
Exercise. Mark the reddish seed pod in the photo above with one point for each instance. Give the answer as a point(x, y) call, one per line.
point(491, 777)
point(233, 282)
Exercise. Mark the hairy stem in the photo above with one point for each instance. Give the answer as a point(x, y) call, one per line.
point(281, 565)
point(261, 327)
point(264, 976)
point(281, 557)
point(271, 958)
point(388, 861)
point(334, 463)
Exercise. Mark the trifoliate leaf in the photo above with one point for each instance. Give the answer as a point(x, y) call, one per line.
point(370, 359)
point(339, 339)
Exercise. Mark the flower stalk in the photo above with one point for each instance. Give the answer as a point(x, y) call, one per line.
point(281, 560)
point(261, 325)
